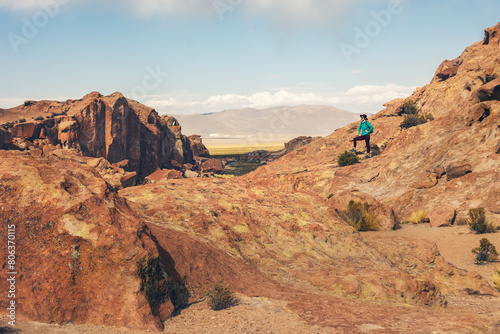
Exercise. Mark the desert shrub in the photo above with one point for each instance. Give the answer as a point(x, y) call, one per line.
point(418, 217)
point(347, 159)
point(486, 252)
point(496, 278)
point(221, 297)
point(39, 118)
point(360, 217)
point(412, 120)
point(410, 108)
point(479, 223)
point(413, 115)
point(22, 120)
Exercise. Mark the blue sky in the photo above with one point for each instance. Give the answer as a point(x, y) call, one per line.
point(201, 56)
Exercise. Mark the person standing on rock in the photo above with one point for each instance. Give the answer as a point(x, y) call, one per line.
point(364, 129)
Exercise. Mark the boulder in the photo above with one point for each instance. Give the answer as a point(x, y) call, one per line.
point(164, 174)
point(128, 179)
point(457, 169)
point(442, 216)
point(489, 91)
point(478, 113)
point(5, 137)
point(447, 69)
point(212, 166)
point(197, 147)
point(24, 130)
point(101, 165)
point(190, 174)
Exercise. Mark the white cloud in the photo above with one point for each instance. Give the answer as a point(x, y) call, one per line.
point(363, 98)
point(17, 5)
point(279, 12)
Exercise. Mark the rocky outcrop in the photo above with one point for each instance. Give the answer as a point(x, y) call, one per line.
point(25, 130)
point(83, 256)
point(447, 69)
point(164, 174)
point(457, 169)
point(5, 138)
point(112, 127)
point(197, 147)
point(492, 35)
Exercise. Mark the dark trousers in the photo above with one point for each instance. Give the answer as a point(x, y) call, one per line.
point(366, 138)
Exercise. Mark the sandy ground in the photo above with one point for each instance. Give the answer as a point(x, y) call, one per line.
point(455, 243)
point(263, 315)
point(251, 315)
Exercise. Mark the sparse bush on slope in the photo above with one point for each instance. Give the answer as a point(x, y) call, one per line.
point(221, 297)
point(347, 159)
point(413, 115)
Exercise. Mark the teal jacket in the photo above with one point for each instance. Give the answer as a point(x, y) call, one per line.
point(365, 128)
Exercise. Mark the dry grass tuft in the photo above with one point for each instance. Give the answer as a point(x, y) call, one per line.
point(496, 278)
point(418, 217)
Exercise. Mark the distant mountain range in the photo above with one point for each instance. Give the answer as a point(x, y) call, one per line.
point(266, 125)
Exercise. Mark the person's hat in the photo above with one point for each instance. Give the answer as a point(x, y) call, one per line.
point(363, 116)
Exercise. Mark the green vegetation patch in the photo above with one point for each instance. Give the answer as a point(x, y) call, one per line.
point(347, 159)
point(486, 252)
point(413, 115)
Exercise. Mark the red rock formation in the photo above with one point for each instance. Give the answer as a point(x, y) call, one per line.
point(212, 166)
point(5, 137)
point(197, 147)
point(442, 216)
point(164, 174)
point(111, 127)
point(82, 255)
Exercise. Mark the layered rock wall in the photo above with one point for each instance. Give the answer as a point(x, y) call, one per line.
point(111, 127)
